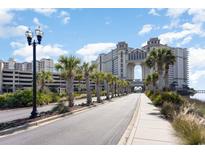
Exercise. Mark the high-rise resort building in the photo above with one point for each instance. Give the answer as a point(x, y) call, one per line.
point(122, 60)
point(15, 76)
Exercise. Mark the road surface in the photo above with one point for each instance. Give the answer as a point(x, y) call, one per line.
point(101, 125)
point(13, 114)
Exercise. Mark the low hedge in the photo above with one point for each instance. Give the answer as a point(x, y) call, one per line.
point(23, 98)
point(17, 99)
point(160, 97)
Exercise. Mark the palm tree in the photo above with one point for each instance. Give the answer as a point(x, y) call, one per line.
point(156, 60)
point(118, 84)
point(121, 84)
point(124, 86)
point(148, 81)
point(128, 86)
point(87, 70)
point(107, 78)
point(43, 78)
point(154, 78)
point(115, 78)
point(79, 78)
point(170, 59)
point(68, 67)
point(98, 78)
point(112, 85)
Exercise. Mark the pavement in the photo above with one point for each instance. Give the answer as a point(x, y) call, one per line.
point(104, 124)
point(13, 114)
point(150, 127)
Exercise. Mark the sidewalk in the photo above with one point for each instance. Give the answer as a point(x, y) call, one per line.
point(150, 127)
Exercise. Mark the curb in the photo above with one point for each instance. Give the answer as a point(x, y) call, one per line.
point(36, 123)
point(128, 135)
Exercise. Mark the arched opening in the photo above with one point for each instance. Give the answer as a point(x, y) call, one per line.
point(138, 78)
point(138, 72)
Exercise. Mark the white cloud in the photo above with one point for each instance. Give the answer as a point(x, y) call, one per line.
point(12, 31)
point(38, 23)
point(15, 45)
point(175, 12)
point(184, 41)
point(45, 11)
point(153, 12)
point(197, 65)
point(197, 75)
point(90, 52)
point(47, 51)
point(198, 15)
point(145, 29)
point(5, 17)
point(170, 37)
point(173, 24)
point(187, 30)
point(143, 44)
point(197, 58)
point(65, 16)
point(7, 29)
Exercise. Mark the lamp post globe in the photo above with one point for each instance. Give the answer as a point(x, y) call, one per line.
point(39, 34)
point(33, 42)
point(29, 36)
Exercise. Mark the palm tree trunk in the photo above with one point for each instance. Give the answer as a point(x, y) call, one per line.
point(89, 97)
point(112, 90)
point(107, 91)
point(166, 80)
point(161, 83)
point(98, 92)
point(154, 87)
point(115, 89)
point(79, 86)
point(70, 90)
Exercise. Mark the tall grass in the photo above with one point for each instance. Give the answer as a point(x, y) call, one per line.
point(189, 129)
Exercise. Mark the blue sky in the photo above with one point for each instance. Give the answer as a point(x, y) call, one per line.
point(88, 32)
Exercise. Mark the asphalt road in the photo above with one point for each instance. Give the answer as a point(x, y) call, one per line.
point(13, 114)
point(101, 125)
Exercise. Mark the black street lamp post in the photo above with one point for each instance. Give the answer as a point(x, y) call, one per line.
point(29, 35)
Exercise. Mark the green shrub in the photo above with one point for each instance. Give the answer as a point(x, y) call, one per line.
point(60, 108)
point(93, 92)
point(76, 94)
point(55, 97)
point(168, 110)
point(43, 99)
point(62, 94)
point(21, 98)
point(157, 100)
point(189, 129)
point(2, 101)
point(80, 96)
point(171, 97)
point(102, 93)
point(149, 93)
